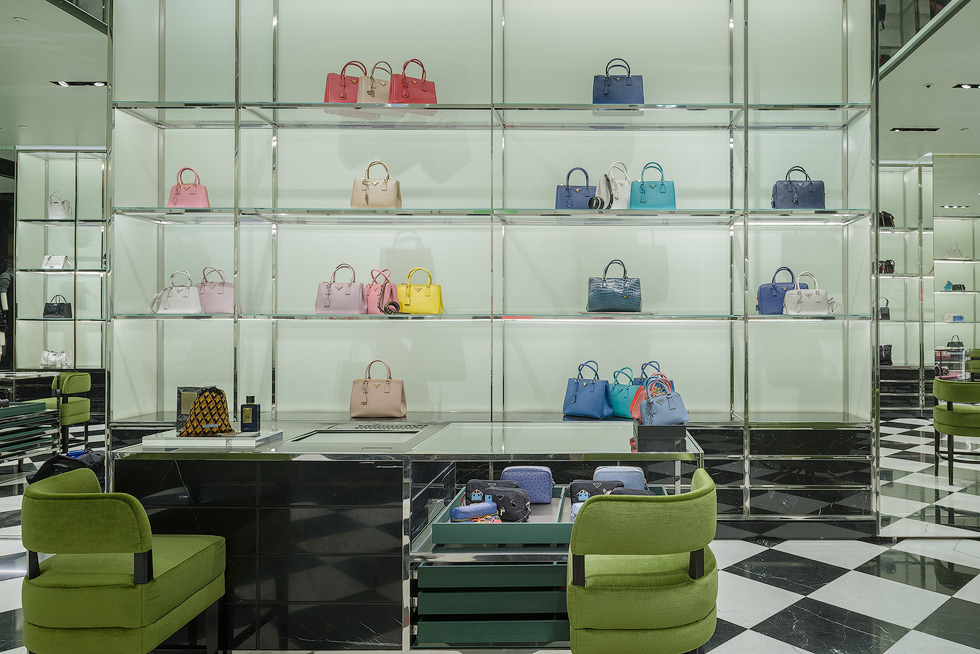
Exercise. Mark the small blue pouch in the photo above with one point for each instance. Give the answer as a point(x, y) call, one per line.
point(631, 476)
point(536, 480)
point(471, 511)
point(575, 507)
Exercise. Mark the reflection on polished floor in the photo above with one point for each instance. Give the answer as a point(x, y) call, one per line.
point(901, 594)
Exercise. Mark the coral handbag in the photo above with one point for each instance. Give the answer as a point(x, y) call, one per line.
point(411, 90)
point(343, 87)
point(420, 299)
point(372, 90)
point(382, 298)
point(216, 296)
point(345, 298)
point(188, 196)
point(378, 398)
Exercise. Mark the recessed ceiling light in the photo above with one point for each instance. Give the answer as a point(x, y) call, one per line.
point(66, 84)
point(914, 129)
point(20, 19)
point(956, 206)
point(98, 83)
point(22, 126)
point(967, 86)
point(62, 83)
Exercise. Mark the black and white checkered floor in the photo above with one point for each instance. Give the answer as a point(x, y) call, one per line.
point(902, 594)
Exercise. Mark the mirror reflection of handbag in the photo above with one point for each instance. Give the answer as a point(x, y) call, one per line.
point(343, 87)
point(376, 193)
point(954, 252)
point(341, 298)
point(955, 341)
point(378, 398)
point(58, 209)
point(209, 415)
point(57, 310)
point(55, 262)
point(188, 196)
point(884, 313)
point(803, 301)
point(61, 360)
point(885, 219)
point(886, 267)
point(646, 195)
point(372, 90)
point(176, 298)
point(798, 194)
point(617, 89)
point(216, 296)
point(885, 355)
point(420, 299)
point(614, 293)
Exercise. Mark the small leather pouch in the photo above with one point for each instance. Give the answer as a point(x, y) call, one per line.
point(630, 476)
point(633, 491)
point(477, 489)
point(582, 489)
point(513, 504)
point(536, 480)
point(473, 512)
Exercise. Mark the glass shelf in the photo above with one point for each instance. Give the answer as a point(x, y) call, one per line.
point(629, 217)
point(186, 115)
point(60, 320)
point(846, 316)
point(811, 419)
point(904, 230)
point(63, 221)
point(818, 116)
point(299, 216)
point(955, 292)
point(905, 276)
point(784, 217)
point(595, 315)
point(317, 115)
point(68, 271)
point(955, 260)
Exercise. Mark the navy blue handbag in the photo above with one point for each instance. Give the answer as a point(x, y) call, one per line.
point(770, 296)
point(588, 398)
point(803, 194)
point(614, 293)
point(574, 197)
point(617, 89)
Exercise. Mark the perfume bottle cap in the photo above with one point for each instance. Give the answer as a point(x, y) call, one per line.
point(249, 399)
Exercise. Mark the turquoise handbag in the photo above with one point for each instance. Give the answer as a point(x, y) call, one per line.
point(646, 195)
point(622, 394)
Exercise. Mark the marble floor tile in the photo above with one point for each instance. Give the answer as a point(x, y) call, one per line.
point(11, 630)
point(13, 566)
point(929, 480)
point(912, 528)
point(888, 451)
point(917, 421)
point(916, 642)
point(920, 571)
point(911, 492)
point(920, 449)
point(746, 602)
point(891, 475)
point(963, 551)
point(787, 571)
point(893, 463)
point(11, 503)
point(11, 546)
point(22, 650)
point(891, 429)
point(896, 506)
point(970, 593)
point(879, 598)
point(10, 594)
point(907, 438)
point(729, 552)
point(10, 532)
point(842, 553)
point(756, 643)
point(956, 620)
point(818, 627)
point(724, 631)
point(949, 517)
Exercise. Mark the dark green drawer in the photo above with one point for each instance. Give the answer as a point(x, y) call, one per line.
point(491, 602)
point(489, 633)
point(491, 575)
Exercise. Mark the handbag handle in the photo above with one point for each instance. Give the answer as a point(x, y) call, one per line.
point(180, 174)
point(415, 270)
point(54, 299)
point(624, 371)
point(655, 381)
point(568, 177)
point(620, 262)
point(425, 86)
point(662, 377)
point(618, 165)
point(367, 372)
point(594, 367)
point(383, 273)
point(801, 169)
point(886, 301)
point(371, 76)
point(792, 277)
point(643, 369)
point(211, 269)
point(612, 64)
point(190, 282)
point(353, 275)
point(367, 173)
point(654, 165)
point(353, 62)
point(816, 286)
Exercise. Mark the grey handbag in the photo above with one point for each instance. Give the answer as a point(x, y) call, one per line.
point(615, 293)
point(798, 194)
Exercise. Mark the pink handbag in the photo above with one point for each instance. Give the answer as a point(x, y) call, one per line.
point(382, 297)
point(411, 90)
point(189, 196)
point(343, 298)
point(216, 297)
point(343, 87)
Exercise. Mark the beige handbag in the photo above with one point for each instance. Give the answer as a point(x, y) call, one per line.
point(377, 398)
point(376, 193)
point(372, 90)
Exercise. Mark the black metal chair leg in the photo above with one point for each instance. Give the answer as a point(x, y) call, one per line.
point(86, 435)
point(211, 628)
point(64, 439)
point(949, 454)
point(936, 444)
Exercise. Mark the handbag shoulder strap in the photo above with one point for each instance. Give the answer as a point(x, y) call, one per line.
point(807, 273)
point(154, 305)
point(180, 175)
point(353, 275)
point(568, 177)
point(367, 372)
point(792, 277)
point(655, 166)
point(620, 262)
point(624, 371)
point(886, 300)
point(415, 270)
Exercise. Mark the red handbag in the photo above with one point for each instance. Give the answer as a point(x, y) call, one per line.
point(343, 87)
point(411, 90)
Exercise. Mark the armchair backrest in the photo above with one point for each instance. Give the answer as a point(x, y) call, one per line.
point(638, 525)
point(956, 391)
point(71, 383)
point(69, 514)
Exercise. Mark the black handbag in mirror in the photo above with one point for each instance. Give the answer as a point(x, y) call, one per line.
point(57, 310)
point(884, 313)
point(955, 341)
point(885, 355)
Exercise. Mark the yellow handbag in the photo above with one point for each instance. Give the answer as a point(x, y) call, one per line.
point(420, 299)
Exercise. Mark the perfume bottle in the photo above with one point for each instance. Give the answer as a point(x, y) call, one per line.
point(251, 414)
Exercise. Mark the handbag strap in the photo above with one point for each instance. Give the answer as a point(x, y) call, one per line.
point(180, 174)
point(367, 173)
point(612, 64)
point(655, 381)
point(816, 286)
point(190, 282)
point(371, 75)
point(624, 371)
point(384, 274)
point(367, 372)
point(620, 262)
point(211, 269)
point(568, 178)
point(662, 377)
point(353, 275)
point(643, 369)
point(353, 62)
point(415, 270)
point(591, 365)
point(654, 165)
point(886, 300)
point(801, 169)
point(425, 86)
point(618, 165)
point(792, 277)
point(54, 300)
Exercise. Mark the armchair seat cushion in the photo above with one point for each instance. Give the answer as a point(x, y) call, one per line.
point(963, 420)
point(75, 411)
point(88, 591)
point(641, 592)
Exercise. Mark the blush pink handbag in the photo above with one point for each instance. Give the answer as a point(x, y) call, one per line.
point(343, 87)
point(216, 296)
point(189, 196)
point(377, 398)
point(345, 298)
point(411, 90)
point(382, 296)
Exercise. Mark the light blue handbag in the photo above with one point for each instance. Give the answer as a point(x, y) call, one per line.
point(631, 476)
point(646, 195)
point(667, 409)
point(622, 394)
point(587, 398)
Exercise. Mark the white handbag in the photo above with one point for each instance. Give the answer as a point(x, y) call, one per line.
point(58, 209)
point(371, 90)
point(176, 298)
point(52, 359)
point(954, 252)
point(620, 187)
point(376, 193)
point(806, 301)
point(55, 262)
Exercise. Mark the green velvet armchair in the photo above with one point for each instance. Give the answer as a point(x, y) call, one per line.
point(641, 575)
point(72, 410)
point(112, 587)
point(956, 414)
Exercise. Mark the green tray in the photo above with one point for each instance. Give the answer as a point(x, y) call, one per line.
point(493, 633)
point(491, 575)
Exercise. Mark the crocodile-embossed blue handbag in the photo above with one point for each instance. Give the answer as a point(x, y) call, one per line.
point(646, 196)
point(622, 394)
point(617, 89)
point(536, 480)
point(666, 409)
point(614, 293)
point(574, 197)
point(587, 398)
point(803, 194)
point(770, 296)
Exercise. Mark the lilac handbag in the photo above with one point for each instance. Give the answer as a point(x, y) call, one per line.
point(216, 297)
point(536, 480)
point(345, 298)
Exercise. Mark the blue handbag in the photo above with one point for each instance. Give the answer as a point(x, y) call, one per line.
point(666, 409)
point(536, 480)
point(631, 476)
point(574, 197)
point(614, 293)
point(804, 194)
point(622, 394)
point(641, 380)
point(770, 296)
point(617, 89)
point(646, 195)
point(471, 511)
point(588, 398)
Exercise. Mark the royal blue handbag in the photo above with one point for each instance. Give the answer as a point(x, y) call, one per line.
point(770, 296)
point(666, 409)
point(644, 376)
point(646, 195)
point(622, 394)
point(614, 293)
point(536, 480)
point(588, 398)
point(617, 89)
point(574, 197)
point(803, 194)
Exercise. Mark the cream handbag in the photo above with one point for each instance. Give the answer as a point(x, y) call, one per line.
point(176, 298)
point(61, 360)
point(372, 90)
point(620, 187)
point(806, 301)
point(58, 209)
point(377, 398)
point(376, 193)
